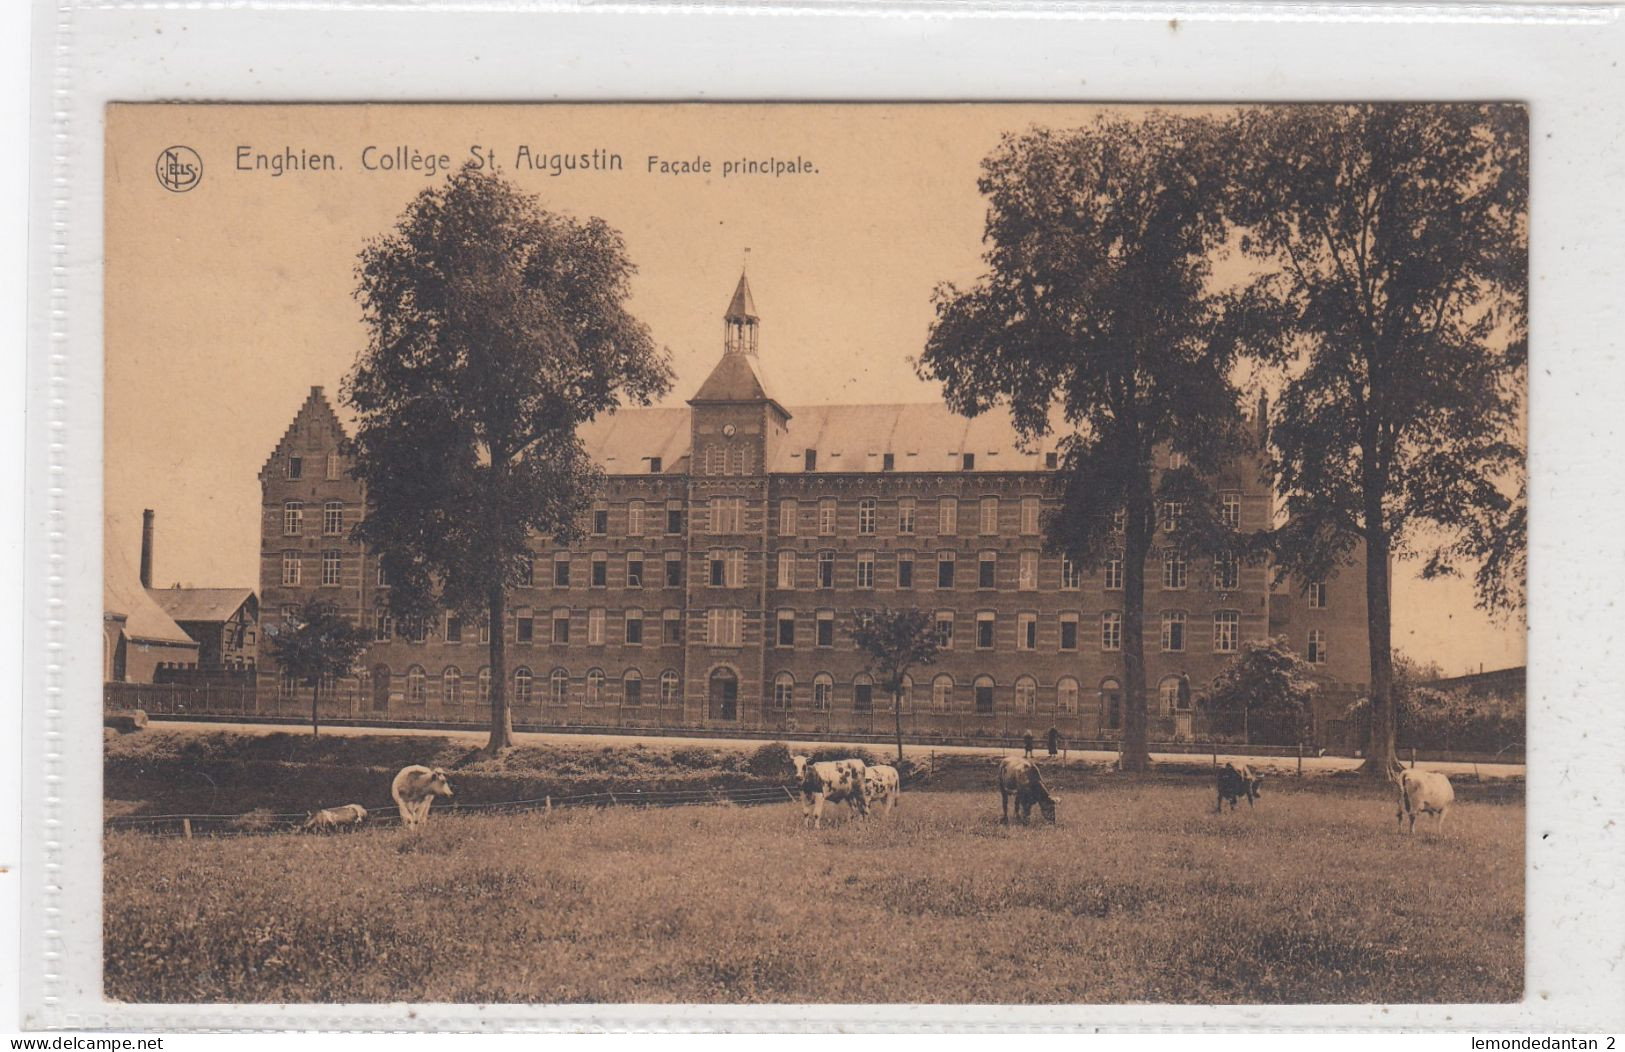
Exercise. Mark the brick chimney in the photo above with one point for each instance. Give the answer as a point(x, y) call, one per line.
point(1262, 419)
point(146, 548)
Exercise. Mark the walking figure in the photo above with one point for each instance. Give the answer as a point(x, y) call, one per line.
point(1054, 737)
point(1027, 740)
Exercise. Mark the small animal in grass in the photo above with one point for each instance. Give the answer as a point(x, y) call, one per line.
point(1423, 792)
point(1235, 783)
point(331, 819)
point(836, 781)
point(1019, 778)
point(882, 787)
point(415, 788)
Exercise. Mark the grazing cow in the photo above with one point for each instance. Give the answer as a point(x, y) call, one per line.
point(1236, 782)
point(1019, 778)
point(350, 816)
point(415, 788)
point(882, 784)
point(832, 780)
point(1427, 792)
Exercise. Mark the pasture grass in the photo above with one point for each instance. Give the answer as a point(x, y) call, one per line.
point(1140, 894)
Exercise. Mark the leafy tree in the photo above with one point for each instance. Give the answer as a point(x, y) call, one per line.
point(319, 643)
point(1268, 686)
point(496, 329)
point(896, 642)
point(1096, 317)
point(1393, 241)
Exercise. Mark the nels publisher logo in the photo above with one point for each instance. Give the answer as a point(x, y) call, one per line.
point(179, 169)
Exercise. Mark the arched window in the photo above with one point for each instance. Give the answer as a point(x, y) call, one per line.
point(1026, 695)
point(784, 691)
point(521, 685)
point(451, 686)
point(632, 687)
point(905, 699)
point(417, 685)
point(1172, 696)
point(482, 686)
point(558, 686)
point(595, 686)
point(984, 695)
point(942, 692)
point(1066, 696)
point(1111, 702)
point(863, 693)
point(671, 687)
point(823, 690)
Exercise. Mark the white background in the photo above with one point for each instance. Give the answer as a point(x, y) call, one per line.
point(1563, 61)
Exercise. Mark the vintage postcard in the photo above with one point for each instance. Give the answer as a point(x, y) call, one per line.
point(815, 554)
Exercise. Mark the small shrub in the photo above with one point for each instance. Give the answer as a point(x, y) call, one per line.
point(770, 761)
point(697, 756)
point(844, 752)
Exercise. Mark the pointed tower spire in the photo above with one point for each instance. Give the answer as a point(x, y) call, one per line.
point(739, 324)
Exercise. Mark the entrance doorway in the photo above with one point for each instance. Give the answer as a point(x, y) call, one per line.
point(724, 695)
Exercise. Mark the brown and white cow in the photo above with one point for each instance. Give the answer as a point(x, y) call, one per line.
point(1236, 782)
point(1018, 777)
point(350, 816)
point(415, 788)
point(834, 780)
point(884, 785)
point(1427, 792)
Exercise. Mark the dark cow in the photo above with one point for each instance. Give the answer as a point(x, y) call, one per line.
point(1235, 783)
point(1019, 777)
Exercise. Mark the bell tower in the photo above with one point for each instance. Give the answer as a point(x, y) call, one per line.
point(740, 324)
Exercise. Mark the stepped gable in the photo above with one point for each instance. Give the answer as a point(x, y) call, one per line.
point(315, 416)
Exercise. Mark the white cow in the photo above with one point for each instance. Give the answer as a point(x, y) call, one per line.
point(882, 784)
point(415, 788)
point(1427, 792)
point(350, 816)
point(832, 780)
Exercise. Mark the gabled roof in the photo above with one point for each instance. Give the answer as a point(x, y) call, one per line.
point(145, 621)
point(202, 604)
point(622, 442)
point(315, 417)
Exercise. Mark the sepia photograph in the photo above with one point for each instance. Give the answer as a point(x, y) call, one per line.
point(813, 553)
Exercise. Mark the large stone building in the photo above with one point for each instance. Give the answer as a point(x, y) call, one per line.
point(733, 544)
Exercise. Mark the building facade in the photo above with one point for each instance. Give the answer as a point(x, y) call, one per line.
point(734, 544)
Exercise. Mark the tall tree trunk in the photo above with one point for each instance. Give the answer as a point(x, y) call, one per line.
point(1137, 525)
point(897, 715)
point(315, 713)
point(501, 712)
point(1380, 756)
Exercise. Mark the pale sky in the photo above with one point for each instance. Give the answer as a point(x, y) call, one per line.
point(225, 303)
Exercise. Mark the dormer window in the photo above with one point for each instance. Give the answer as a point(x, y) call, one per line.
point(888, 461)
point(812, 460)
point(1052, 461)
point(654, 465)
point(967, 462)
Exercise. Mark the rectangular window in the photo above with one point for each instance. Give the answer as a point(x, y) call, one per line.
point(1027, 575)
point(527, 570)
point(335, 465)
point(485, 631)
point(561, 570)
point(905, 569)
point(1069, 631)
point(674, 569)
point(674, 517)
point(826, 517)
point(383, 575)
point(634, 518)
point(655, 466)
point(671, 628)
point(296, 467)
point(1173, 513)
point(945, 629)
point(787, 628)
point(1230, 509)
point(826, 569)
point(1317, 646)
point(1226, 631)
point(1026, 631)
point(332, 518)
point(454, 627)
point(1317, 595)
point(948, 516)
point(987, 569)
point(634, 569)
point(1173, 568)
point(990, 516)
point(1112, 572)
point(825, 628)
point(331, 563)
point(866, 516)
point(293, 518)
point(1071, 575)
point(888, 461)
point(383, 626)
point(595, 627)
point(561, 625)
point(945, 569)
point(787, 569)
point(1226, 572)
point(811, 460)
point(290, 568)
point(1111, 630)
point(1029, 516)
point(726, 514)
point(787, 518)
point(524, 629)
point(1173, 631)
point(866, 570)
point(600, 518)
point(634, 628)
point(722, 626)
point(905, 516)
point(984, 630)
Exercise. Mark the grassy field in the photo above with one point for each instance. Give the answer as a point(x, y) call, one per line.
point(1139, 894)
